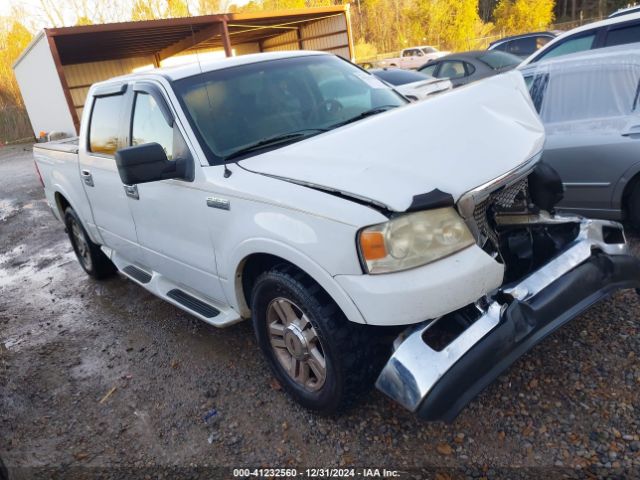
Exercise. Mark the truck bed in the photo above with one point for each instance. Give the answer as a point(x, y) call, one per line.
point(67, 145)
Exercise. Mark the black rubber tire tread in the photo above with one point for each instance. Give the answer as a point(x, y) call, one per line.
point(354, 353)
point(102, 267)
point(634, 207)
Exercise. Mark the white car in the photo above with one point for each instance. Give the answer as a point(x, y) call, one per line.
point(296, 190)
point(413, 57)
point(619, 30)
point(413, 85)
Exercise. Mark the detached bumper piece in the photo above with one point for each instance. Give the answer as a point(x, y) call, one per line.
point(438, 382)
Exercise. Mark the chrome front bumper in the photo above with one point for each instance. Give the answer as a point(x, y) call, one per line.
point(438, 384)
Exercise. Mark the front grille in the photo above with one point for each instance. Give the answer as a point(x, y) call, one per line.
point(513, 198)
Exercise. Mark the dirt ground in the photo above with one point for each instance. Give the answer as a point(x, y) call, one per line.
point(104, 377)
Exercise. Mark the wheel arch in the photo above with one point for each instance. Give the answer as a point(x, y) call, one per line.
point(624, 186)
point(250, 264)
point(62, 202)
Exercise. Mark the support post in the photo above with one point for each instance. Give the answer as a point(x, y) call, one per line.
point(226, 41)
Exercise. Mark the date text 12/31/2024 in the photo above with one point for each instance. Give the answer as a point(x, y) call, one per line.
point(315, 473)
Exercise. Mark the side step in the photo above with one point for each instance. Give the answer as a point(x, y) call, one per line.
point(137, 273)
point(193, 303)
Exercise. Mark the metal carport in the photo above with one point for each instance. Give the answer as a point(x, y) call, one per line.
point(60, 64)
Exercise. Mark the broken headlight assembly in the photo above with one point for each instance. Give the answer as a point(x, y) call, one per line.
point(412, 240)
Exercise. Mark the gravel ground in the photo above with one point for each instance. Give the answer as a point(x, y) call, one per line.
point(97, 375)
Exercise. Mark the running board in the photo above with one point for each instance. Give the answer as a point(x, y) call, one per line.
point(137, 273)
point(192, 303)
point(198, 305)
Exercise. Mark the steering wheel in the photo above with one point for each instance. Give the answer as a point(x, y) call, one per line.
point(325, 109)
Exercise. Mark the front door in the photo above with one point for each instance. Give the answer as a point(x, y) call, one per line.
point(99, 173)
point(171, 216)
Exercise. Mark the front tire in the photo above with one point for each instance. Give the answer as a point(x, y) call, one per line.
point(91, 258)
point(320, 358)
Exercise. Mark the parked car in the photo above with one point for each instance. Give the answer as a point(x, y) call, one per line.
point(467, 67)
point(619, 30)
point(524, 45)
point(625, 11)
point(413, 85)
point(295, 189)
point(412, 58)
point(589, 105)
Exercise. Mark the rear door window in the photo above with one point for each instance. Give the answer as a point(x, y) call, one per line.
point(429, 69)
point(571, 45)
point(451, 69)
point(584, 94)
point(104, 125)
point(623, 35)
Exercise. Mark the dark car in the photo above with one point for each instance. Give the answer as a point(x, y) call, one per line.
point(611, 32)
point(625, 11)
point(467, 67)
point(524, 45)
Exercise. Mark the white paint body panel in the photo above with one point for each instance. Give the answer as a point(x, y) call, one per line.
point(424, 90)
point(474, 135)
point(425, 292)
point(453, 142)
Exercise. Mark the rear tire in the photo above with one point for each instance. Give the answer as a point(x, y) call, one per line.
point(321, 359)
point(91, 258)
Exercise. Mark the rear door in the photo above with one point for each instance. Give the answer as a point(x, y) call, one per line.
point(99, 173)
point(593, 133)
point(622, 34)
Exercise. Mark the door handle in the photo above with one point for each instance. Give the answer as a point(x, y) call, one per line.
point(87, 178)
point(131, 191)
point(631, 131)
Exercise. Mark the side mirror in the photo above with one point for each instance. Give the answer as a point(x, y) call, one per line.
point(147, 163)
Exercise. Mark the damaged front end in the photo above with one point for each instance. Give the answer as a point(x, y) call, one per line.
point(555, 268)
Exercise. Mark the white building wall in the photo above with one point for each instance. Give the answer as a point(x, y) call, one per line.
point(41, 89)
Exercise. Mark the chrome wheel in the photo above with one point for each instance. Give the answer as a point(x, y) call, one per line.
point(296, 344)
point(80, 244)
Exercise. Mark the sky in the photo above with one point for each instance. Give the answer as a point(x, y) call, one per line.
point(38, 20)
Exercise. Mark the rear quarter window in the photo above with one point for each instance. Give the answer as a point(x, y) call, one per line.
point(623, 35)
point(105, 124)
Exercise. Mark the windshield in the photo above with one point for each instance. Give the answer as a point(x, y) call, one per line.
point(235, 109)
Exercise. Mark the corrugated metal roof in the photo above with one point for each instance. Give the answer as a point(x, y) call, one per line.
point(91, 43)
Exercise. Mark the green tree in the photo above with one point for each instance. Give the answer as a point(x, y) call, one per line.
point(451, 25)
point(177, 8)
point(82, 20)
point(14, 123)
point(146, 10)
point(520, 16)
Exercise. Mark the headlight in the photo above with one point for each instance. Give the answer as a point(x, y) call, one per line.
point(412, 240)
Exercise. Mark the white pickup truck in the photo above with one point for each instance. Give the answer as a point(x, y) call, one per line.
point(295, 190)
point(413, 57)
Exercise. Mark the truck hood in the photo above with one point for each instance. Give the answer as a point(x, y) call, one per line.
point(453, 143)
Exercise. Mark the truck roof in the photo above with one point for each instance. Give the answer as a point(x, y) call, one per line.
point(194, 68)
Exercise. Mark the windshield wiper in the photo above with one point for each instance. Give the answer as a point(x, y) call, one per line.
point(365, 114)
point(268, 142)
